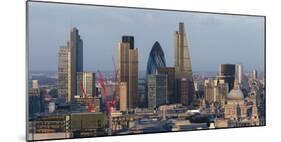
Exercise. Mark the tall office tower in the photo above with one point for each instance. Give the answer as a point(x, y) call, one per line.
point(34, 99)
point(130, 40)
point(123, 96)
point(183, 69)
point(227, 73)
point(170, 72)
point(157, 85)
point(75, 64)
point(86, 82)
point(63, 72)
point(239, 73)
point(128, 69)
point(254, 75)
point(156, 59)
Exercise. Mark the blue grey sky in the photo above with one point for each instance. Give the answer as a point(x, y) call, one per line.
point(212, 38)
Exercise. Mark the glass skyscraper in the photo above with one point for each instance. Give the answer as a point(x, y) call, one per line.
point(156, 59)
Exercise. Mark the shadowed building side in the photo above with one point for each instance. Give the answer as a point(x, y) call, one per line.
point(75, 45)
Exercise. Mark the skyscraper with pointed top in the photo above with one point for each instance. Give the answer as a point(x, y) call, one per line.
point(182, 56)
point(182, 61)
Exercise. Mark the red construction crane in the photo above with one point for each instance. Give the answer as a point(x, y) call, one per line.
point(89, 103)
point(110, 103)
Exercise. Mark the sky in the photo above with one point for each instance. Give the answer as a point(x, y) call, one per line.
point(213, 39)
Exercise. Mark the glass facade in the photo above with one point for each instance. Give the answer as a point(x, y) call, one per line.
point(156, 59)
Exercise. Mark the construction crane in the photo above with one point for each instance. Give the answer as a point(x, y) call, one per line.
point(110, 103)
point(90, 106)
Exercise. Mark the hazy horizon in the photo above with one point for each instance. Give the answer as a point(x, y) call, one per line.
point(213, 39)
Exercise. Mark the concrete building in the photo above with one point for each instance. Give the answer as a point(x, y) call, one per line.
point(63, 68)
point(239, 73)
point(86, 83)
point(157, 85)
point(49, 126)
point(128, 69)
point(215, 91)
point(237, 110)
point(81, 104)
point(235, 107)
point(87, 124)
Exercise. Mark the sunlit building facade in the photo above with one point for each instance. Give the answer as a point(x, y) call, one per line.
point(183, 68)
point(128, 69)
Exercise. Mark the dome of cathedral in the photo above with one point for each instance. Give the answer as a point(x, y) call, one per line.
point(235, 94)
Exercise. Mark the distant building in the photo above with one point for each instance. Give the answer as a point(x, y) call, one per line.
point(157, 85)
point(183, 68)
point(227, 73)
point(86, 83)
point(63, 72)
point(35, 84)
point(215, 91)
point(254, 75)
point(82, 104)
point(170, 72)
point(239, 73)
point(34, 99)
point(51, 123)
point(128, 69)
point(237, 111)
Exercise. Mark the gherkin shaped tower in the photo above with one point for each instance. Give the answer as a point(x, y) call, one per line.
point(156, 59)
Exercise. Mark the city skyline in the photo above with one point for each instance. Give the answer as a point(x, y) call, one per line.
point(85, 101)
point(158, 28)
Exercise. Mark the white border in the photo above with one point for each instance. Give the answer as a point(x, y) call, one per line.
point(13, 69)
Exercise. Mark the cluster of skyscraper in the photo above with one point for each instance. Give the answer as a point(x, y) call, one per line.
point(164, 85)
point(166, 93)
point(170, 85)
point(73, 82)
